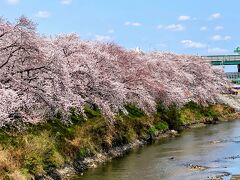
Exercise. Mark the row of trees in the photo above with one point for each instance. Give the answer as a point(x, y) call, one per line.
point(41, 76)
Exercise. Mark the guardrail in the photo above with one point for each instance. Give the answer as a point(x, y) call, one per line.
point(233, 75)
point(222, 58)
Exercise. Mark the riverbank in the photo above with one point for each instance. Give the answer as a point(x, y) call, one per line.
point(64, 100)
point(54, 150)
point(210, 152)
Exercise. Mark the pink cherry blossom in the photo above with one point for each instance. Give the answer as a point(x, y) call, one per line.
point(41, 76)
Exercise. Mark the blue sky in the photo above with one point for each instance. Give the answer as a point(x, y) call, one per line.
point(200, 27)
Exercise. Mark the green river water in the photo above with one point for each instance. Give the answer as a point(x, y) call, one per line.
point(202, 153)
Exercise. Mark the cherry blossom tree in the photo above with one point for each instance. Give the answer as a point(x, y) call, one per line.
point(41, 76)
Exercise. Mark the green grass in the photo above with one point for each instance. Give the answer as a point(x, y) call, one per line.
point(92, 111)
point(171, 115)
point(134, 111)
point(161, 126)
point(44, 147)
point(193, 112)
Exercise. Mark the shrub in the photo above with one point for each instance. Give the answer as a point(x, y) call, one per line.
point(52, 159)
point(133, 111)
point(162, 126)
point(92, 111)
point(76, 118)
point(82, 153)
point(152, 130)
point(61, 130)
point(34, 164)
point(209, 112)
point(171, 115)
point(192, 105)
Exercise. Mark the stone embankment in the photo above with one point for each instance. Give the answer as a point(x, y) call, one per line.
point(78, 167)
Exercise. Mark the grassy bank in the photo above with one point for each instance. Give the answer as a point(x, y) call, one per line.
point(42, 148)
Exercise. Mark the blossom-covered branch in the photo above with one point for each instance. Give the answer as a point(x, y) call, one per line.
point(41, 76)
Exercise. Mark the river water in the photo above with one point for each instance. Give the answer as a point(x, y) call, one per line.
point(201, 153)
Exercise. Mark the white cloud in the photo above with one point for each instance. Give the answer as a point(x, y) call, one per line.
point(12, 2)
point(66, 2)
point(218, 28)
point(110, 31)
point(192, 44)
point(172, 27)
point(203, 28)
point(127, 23)
point(216, 38)
point(218, 51)
point(226, 38)
point(221, 38)
point(42, 14)
point(184, 18)
point(160, 26)
point(102, 38)
point(175, 27)
point(136, 24)
point(215, 16)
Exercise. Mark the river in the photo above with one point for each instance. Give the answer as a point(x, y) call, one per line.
point(201, 153)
